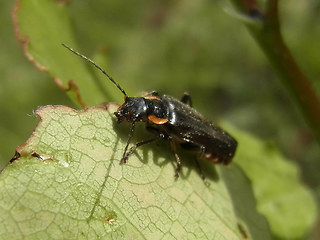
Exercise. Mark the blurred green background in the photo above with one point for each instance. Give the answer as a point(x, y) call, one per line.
point(172, 47)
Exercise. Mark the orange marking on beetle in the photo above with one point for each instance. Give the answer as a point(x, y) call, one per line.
point(215, 160)
point(156, 120)
point(153, 97)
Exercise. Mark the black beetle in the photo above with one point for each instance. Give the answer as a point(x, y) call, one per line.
point(175, 120)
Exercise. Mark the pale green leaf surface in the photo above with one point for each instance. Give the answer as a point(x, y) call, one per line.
point(68, 184)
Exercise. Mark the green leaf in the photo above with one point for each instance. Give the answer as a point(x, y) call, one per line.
point(281, 196)
point(68, 184)
point(43, 26)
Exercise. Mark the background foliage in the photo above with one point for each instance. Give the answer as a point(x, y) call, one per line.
point(174, 47)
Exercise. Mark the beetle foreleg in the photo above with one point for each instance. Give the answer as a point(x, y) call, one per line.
point(133, 148)
point(124, 158)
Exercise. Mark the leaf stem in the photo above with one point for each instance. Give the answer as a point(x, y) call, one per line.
point(270, 39)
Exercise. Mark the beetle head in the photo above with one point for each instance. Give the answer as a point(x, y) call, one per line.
point(134, 109)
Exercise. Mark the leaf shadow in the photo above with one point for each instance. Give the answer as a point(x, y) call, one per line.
point(250, 221)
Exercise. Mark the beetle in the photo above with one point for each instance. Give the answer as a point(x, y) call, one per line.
point(172, 119)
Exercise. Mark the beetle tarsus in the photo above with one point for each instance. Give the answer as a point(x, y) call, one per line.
point(176, 174)
point(178, 169)
point(123, 160)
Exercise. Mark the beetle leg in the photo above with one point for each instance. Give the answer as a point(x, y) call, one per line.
point(186, 98)
point(154, 93)
point(200, 170)
point(123, 159)
point(202, 152)
point(177, 172)
point(126, 154)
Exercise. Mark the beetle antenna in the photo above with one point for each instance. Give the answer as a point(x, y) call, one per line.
point(97, 66)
